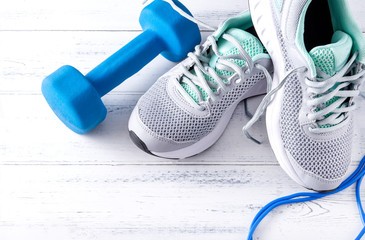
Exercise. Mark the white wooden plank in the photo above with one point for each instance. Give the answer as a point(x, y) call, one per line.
point(24, 64)
point(163, 202)
point(113, 14)
point(97, 15)
point(55, 184)
point(30, 133)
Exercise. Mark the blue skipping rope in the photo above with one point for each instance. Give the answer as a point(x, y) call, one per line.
point(357, 176)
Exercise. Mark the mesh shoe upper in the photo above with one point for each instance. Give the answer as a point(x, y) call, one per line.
point(166, 119)
point(326, 157)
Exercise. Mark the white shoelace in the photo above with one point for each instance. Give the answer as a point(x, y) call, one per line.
point(200, 64)
point(266, 101)
point(326, 88)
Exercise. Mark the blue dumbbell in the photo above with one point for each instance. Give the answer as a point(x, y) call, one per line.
point(76, 99)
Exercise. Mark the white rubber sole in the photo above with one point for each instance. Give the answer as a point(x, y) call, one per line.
point(212, 137)
point(263, 20)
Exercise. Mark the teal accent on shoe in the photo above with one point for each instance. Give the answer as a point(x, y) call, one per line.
point(249, 42)
point(331, 58)
point(343, 20)
point(341, 49)
point(279, 5)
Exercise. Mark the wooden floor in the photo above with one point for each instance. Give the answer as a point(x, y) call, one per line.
point(55, 184)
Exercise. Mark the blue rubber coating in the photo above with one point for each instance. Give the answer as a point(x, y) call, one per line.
point(76, 99)
point(75, 102)
point(164, 31)
point(126, 62)
point(179, 35)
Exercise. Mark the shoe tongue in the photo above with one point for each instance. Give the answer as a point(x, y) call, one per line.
point(331, 58)
point(248, 41)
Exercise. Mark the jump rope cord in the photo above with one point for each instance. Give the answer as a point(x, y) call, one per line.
point(357, 176)
point(359, 205)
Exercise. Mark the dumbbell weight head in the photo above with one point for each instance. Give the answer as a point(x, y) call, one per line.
point(179, 34)
point(73, 99)
point(76, 99)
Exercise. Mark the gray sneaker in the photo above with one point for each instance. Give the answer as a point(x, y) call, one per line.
point(309, 117)
point(187, 109)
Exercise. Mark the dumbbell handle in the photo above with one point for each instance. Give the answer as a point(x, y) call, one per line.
point(126, 62)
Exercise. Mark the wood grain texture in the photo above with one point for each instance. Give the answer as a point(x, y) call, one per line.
point(55, 184)
point(91, 15)
point(26, 64)
point(113, 15)
point(162, 202)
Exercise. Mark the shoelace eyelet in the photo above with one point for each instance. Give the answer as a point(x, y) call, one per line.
point(310, 114)
point(202, 107)
point(311, 95)
point(311, 129)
